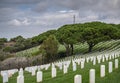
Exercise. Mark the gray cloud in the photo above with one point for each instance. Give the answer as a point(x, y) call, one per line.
point(100, 5)
point(19, 1)
point(27, 17)
point(102, 8)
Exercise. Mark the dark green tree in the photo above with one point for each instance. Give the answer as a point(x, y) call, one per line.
point(68, 35)
point(17, 39)
point(96, 32)
point(41, 37)
point(49, 47)
point(92, 37)
point(2, 41)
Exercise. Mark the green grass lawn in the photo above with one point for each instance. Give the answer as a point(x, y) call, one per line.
point(29, 52)
point(79, 49)
point(69, 77)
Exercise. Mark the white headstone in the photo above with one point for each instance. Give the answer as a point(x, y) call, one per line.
point(39, 76)
point(65, 70)
point(87, 59)
point(110, 67)
point(60, 67)
point(91, 59)
point(54, 72)
point(82, 64)
point(38, 68)
point(99, 60)
point(5, 77)
point(94, 61)
point(106, 56)
point(74, 67)
point(47, 66)
point(103, 59)
point(110, 57)
point(33, 72)
point(20, 79)
point(78, 61)
point(21, 71)
point(113, 56)
point(102, 71)
point(92, 76)
point(78, 79)
point(53, 65)
point(116, 63)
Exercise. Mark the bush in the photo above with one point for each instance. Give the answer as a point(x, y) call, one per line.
point(15, 62)
point(4, 55)
point(7, 49)
point(38, 60)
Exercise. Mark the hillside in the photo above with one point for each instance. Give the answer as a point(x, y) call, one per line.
point(67, 41)
point(102, 49)
point(20, 43)
point(78, 48)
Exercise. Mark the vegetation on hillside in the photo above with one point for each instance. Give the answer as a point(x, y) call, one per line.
point(49, 48)
point(91, 32)
point(69, 36)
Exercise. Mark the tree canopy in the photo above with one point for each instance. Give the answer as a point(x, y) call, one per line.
point(91, 33)
point(49, 47)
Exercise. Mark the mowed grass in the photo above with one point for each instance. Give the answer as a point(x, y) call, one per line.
point(79, 48)
point(113, 77)
point(69, 77)
point(29, 52)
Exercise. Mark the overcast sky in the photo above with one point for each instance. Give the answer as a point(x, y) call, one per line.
point(32, 17)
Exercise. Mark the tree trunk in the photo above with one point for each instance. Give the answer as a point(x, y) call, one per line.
point(68, 51)
point(90, 47)
point(72, 49)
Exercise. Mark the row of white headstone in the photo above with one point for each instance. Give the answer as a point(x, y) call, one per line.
point(8, 73)
point(62, 65)
point(20, 78)
point(78, 78)
point(66, 65)
point(93, 59)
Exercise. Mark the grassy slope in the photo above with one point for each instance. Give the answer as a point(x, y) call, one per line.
point(78, 48)
point(68, 78)
point(29, 52)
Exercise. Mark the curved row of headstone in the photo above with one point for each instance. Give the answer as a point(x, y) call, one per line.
point(62, 65)
point(78, 78)
point(65, 65)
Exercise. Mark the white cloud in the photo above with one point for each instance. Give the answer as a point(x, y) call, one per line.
point(63, 11)
point(26, 22)
point(66, 11)
point(112, 20)
point(15, 22)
